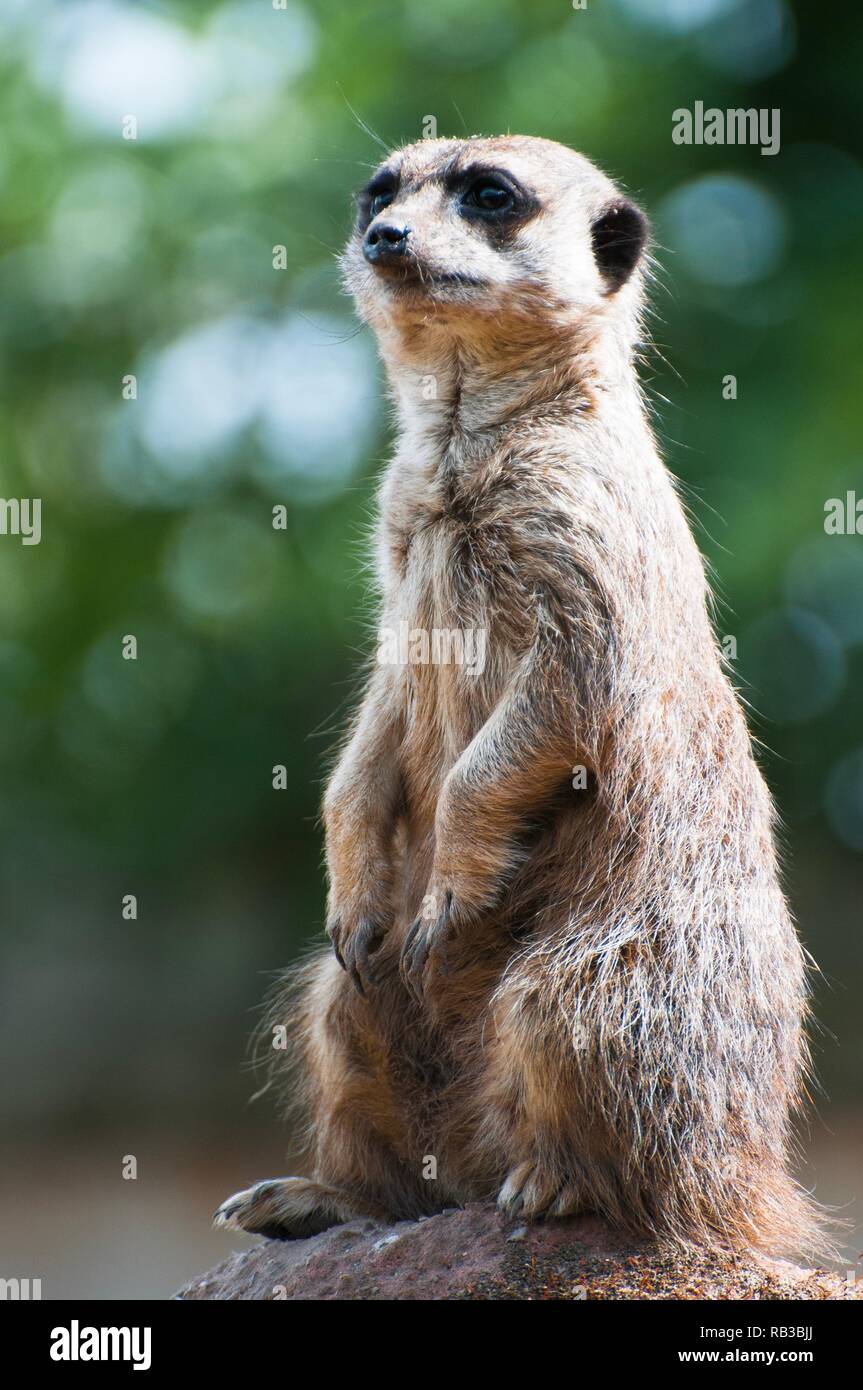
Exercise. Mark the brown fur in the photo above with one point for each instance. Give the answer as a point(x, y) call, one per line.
point(573, 999)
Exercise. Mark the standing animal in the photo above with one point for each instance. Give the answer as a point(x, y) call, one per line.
point(563, 974)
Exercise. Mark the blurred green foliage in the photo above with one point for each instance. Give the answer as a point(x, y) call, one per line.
point(154, 257)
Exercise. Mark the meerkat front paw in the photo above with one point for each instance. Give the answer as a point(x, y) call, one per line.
point(287, 1209)
point(427, 940)
point(452, 903)
point(359, 909)
point(355, 941)
point(472, 868)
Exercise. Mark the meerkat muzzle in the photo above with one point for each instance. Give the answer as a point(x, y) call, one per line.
point(385, 243)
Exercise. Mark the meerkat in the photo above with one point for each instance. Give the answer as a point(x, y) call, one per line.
point(563, 974)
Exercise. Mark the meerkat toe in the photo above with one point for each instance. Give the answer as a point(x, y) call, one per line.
point(253, 1208)
point(229, 1214)
point(511, 1196)
point(364, 942)
point(567, 1202)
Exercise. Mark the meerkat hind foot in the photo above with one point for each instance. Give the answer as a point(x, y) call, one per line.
point(287, 1209)
point(531, 1192)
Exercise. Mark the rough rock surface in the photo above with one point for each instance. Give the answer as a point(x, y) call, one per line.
point(472, 1253)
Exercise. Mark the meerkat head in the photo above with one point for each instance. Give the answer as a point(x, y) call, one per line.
point(448, 231)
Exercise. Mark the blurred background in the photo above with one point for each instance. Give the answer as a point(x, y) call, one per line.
point(153, 258)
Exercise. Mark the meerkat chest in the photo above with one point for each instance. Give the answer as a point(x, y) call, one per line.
point(456, 623)
point(460, 604)
point(451, 527)
point(445, 598)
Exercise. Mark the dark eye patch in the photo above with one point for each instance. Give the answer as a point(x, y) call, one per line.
point(492, 196)
point(377, 194)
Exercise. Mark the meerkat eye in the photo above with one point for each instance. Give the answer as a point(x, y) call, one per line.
point(380, 201)
point(489, 196)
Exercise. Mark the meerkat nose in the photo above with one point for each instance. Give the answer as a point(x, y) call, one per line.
point(384, 241)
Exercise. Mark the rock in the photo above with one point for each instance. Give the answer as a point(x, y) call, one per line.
point(473, 1254)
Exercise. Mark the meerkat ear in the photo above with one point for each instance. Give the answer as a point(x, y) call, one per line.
point(619, 235)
